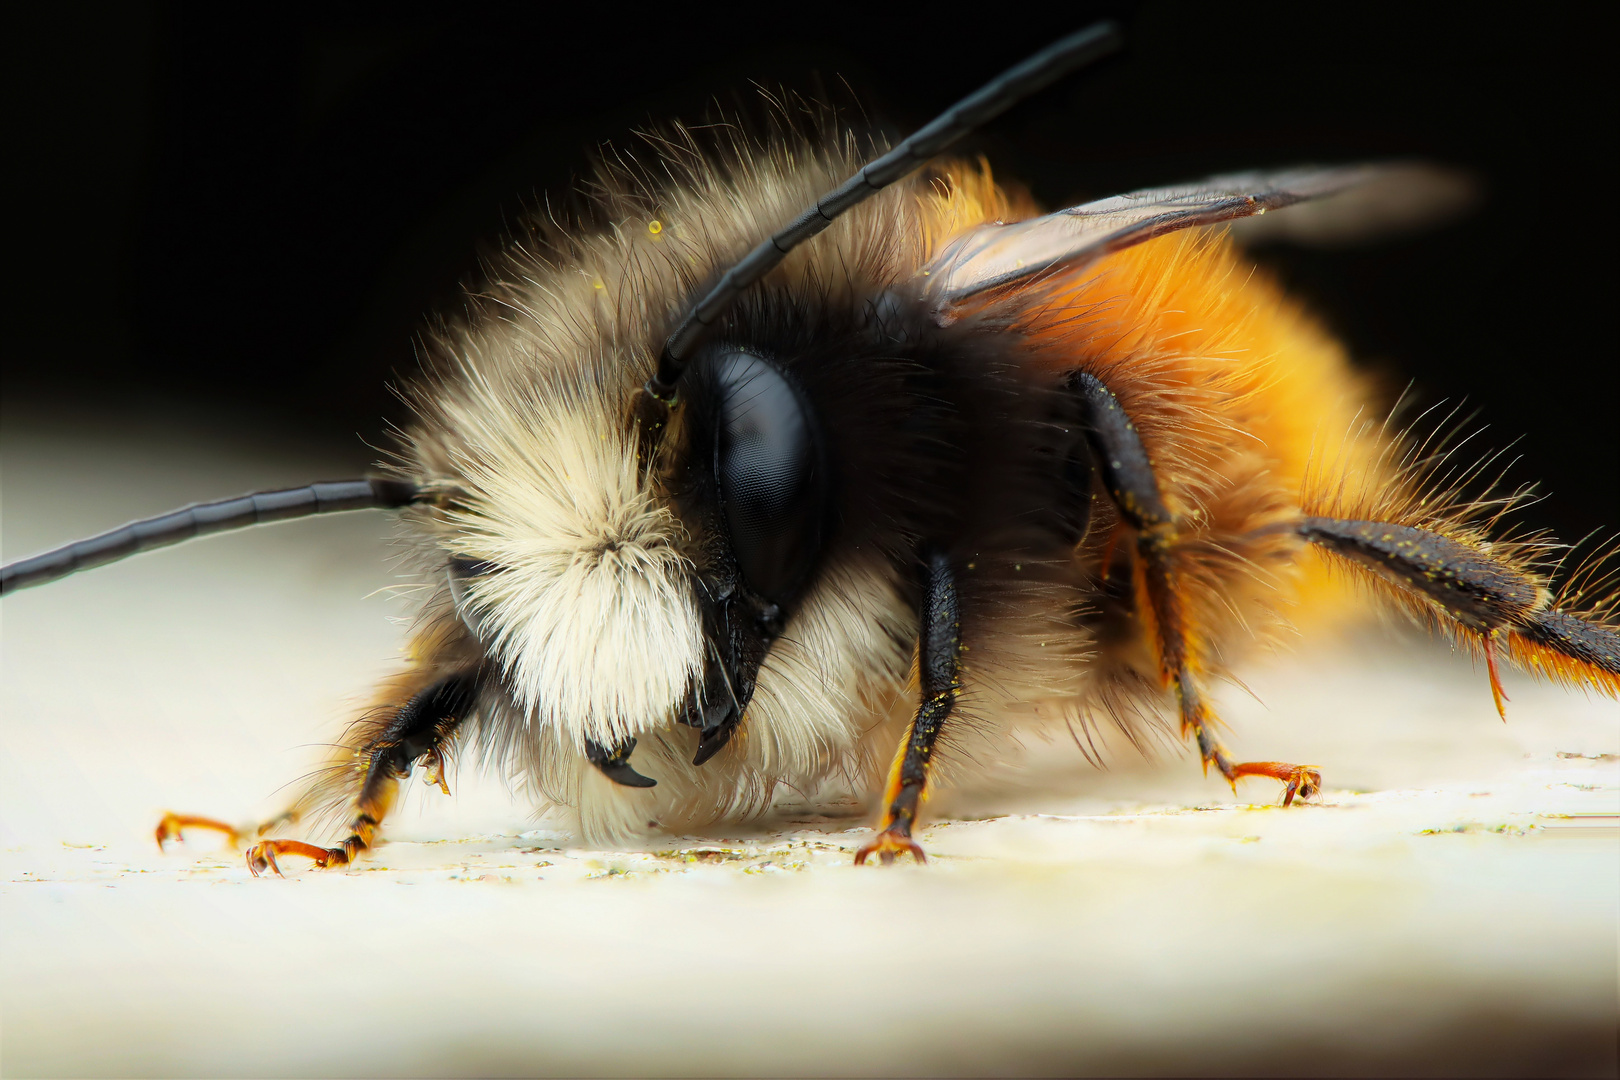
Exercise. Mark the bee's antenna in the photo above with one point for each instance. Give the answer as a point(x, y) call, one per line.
point(996, 97)
point(201, 519)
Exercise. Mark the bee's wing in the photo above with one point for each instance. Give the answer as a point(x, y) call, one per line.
point(991, 256)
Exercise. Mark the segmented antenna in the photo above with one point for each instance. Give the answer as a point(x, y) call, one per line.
point(996, 97)
point(201, 519)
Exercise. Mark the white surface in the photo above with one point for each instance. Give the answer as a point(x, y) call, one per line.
point(1437, 913)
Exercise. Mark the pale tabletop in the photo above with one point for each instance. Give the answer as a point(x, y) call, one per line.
point(1450, 908)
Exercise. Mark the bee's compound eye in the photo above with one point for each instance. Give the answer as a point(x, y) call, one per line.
point(773, 482)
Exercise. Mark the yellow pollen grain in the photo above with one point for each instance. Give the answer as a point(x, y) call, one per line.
point(655, 226)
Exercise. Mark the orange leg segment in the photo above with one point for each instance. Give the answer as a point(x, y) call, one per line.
point(1498, 695)
point(174, 824)
point(262, 855)
point(1299, 781)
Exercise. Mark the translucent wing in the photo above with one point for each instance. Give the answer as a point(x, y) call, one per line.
point(1397, 198)
point(992, 256)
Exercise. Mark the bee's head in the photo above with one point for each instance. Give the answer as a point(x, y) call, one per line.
point(616, 602)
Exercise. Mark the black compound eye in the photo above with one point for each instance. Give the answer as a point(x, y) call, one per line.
point(773, 482)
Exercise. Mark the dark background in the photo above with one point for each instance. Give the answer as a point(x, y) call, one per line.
point(255, 213)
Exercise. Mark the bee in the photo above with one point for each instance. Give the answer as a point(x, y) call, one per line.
point(703, 509)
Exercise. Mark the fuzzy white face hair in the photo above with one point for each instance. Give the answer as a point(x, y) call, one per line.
point(593, 617)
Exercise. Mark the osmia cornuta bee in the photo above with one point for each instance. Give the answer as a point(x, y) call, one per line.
point(703, 513)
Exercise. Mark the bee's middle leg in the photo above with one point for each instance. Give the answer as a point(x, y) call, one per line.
point(1158, 592)
point(939, 650)
point(1127, 472)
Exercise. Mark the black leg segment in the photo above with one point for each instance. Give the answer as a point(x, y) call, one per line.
point(939, 667)
point(420, 728)
point(1485, 596)
point(1121, 459)
point(1476, 590)
point(1580, 640)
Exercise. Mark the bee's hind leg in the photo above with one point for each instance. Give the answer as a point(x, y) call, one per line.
point(939, 651)
point(1127, 472)
point(1488, 600)
point(416, 732)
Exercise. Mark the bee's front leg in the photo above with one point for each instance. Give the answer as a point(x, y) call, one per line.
point(418, 731)
point(384, 751)
point(939, 651)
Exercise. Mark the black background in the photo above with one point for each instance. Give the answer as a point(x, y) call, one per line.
point(254, 212)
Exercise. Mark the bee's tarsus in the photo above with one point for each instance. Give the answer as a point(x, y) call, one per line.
point(1299, 781)
point(889, 844)
point(262, 855)
point(1582, 640)
point(172, 825)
